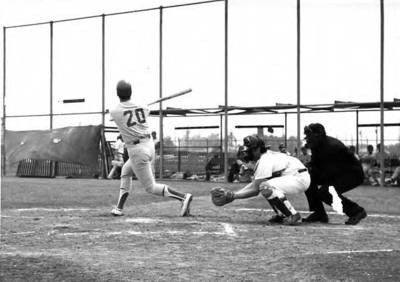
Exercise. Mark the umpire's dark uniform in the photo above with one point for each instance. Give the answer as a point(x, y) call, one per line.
point(332, 164)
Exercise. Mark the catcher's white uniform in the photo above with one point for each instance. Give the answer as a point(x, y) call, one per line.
point(294, 176)
point(275, 175)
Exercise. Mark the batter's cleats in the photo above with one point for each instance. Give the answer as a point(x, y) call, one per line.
point(292, 219)
point(316, 217)
point(117, 212)
point(185, 209)
point(353, 220)
point(276, 219)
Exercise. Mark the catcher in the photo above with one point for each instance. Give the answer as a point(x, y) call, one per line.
point(275, 175)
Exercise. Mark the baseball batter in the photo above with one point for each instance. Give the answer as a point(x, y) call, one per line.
point(276, 175)
point(131, 120)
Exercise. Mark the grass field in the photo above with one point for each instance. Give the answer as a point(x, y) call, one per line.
point(61, 230)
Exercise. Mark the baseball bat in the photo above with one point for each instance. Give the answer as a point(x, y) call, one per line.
point(110, 175)
point(171, 96)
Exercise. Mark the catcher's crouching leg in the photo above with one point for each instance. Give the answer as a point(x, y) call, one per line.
point(220, 196)
point(279, 203)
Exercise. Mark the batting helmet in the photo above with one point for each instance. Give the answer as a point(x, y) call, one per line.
point(124, 90)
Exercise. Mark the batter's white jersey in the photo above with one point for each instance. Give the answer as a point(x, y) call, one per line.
point(131, 120)
point(271, 162)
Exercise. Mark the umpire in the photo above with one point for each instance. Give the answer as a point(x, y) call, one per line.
point(334, 170)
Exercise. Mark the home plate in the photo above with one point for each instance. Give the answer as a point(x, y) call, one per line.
point(141, 220)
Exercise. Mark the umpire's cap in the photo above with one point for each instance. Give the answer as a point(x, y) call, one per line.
point(124, 89)
point(314, 128)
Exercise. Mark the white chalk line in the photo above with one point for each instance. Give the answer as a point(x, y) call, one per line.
point(354, 252)
point(55, 209)
point(49, 252)
point(139, 233)
point(228, 229)
point(19, 233)
point(331, 213)
point(149, 220)
point(28, 254)
point(142, 220)
point(339, 227)
point(21, 216)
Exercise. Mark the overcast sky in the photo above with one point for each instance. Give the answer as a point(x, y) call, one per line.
point(340, 59)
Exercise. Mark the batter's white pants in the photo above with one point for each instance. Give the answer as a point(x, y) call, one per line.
point(139, 163)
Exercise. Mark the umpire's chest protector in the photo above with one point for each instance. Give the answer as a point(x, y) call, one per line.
point(333, 159)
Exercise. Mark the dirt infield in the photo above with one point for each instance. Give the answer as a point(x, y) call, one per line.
point(61, 230)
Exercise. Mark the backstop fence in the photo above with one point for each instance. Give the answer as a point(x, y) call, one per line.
point(155, 67)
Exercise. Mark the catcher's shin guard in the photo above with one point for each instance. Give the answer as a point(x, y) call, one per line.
point(276, 210)
point(283, 205)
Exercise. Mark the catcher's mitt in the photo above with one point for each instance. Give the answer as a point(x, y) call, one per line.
point(220, 196)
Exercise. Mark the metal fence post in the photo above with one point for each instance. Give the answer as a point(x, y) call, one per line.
point(179, 155)
point(51, 75)
point(207, 149)
point(382, 82)
point(298, 77)
point(3, 121)
point(103, 66)
point(161, 92)
point(286, 132)
point(357, 141)
point(226, 145)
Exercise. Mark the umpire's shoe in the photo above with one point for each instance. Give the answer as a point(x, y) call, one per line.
point(316, 217)
point(292, 219)
point(185, 209)
point(353, 220)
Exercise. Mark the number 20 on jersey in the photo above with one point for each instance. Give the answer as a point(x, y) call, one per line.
point(139, 115)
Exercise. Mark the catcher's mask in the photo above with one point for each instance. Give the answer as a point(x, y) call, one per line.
point(251, 142)
point(314, 134)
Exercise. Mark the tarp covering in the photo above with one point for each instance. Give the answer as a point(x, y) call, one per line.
point(77, 144)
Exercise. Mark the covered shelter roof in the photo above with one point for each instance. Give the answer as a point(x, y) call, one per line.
point(337, 106)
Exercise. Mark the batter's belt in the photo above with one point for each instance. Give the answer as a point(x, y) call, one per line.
point(139, 138)
point(279, 173)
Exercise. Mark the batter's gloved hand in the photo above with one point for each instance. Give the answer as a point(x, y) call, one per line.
point(220, 196)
